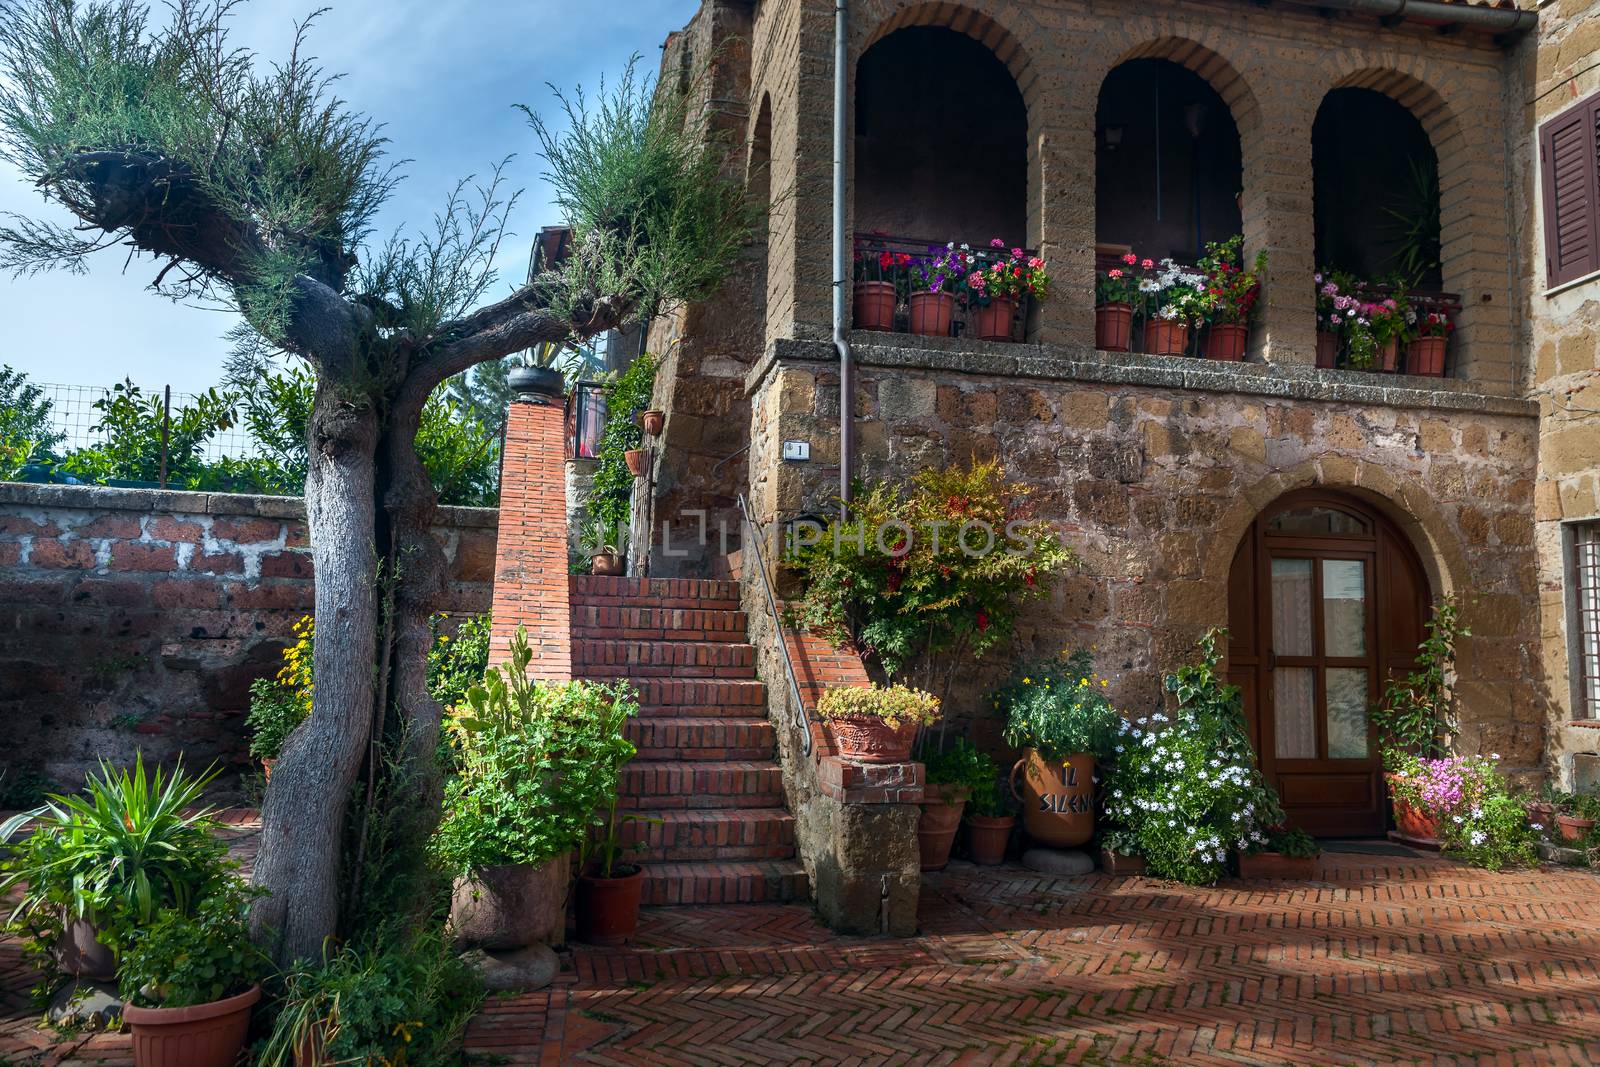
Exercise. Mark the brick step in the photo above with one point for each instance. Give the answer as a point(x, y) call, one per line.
point(762, 881)
point(701, 738)
point(589, 590)
point(699, 696)
point(676, 659)
point(716, 836)
point(679, 785)
point(657, 624)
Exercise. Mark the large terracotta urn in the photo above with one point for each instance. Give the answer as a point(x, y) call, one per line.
point(1057, 798)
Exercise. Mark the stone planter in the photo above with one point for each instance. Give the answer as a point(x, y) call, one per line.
point(1113, 327)
point(988, 838)
point(605, 563)
point(1425, 356)
point(992, 321)
point(1115, 863)
point(1057, 798)
point(652, 422)
point(1327, 350)
point(1574, 827)
point(608, 908)
point(1276, 865)
point(871, 740)
point(205, 1035)
point(931, 314)
point(637, 460)
point(1226, 342)
point(511, 906)
point(1162, 337)
point(942, 806)
point(873, 306)
point(80, 953)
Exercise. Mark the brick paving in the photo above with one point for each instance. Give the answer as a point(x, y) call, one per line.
point(1381, 959)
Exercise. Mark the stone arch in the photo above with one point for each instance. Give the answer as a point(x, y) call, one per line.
point(963, 19)
point(1414, 94)
point(1215, 69)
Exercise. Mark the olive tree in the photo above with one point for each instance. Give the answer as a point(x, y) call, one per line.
point(251, 185)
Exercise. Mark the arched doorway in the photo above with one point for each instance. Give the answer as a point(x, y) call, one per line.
point(1326, 599)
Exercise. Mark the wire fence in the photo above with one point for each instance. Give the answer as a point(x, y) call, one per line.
point(73, 413)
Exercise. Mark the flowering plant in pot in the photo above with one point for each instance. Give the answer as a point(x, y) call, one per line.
point(1117, 294)
point(1229, 297)
point(1472, 811)
point(876, 723)
point(1428, 335)
point(1057, 712)
point(954, 775)
point(1283, 853)
point(1119, 852)
point(991, 815)
point(1330, 317)
point(935, 280)
point(1173, 302)
point(877, 270)
point(995, 285)
point(1416, 717)
point(1575, 817)
point(281, 703)
point(192, 977)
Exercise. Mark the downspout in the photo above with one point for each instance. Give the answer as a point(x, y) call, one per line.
point(1495, 19)
point(841, 27)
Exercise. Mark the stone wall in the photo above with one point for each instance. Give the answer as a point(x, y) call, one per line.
point(135, 619)
point(1558, 68)
point(1156, 467)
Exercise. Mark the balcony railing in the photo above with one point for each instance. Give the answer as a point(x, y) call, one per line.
point(890, 258)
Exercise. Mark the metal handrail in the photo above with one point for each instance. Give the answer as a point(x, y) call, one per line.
point(802, 721)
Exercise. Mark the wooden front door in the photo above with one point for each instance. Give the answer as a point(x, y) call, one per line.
point(1325, 600)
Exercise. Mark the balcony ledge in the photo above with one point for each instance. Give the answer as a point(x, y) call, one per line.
point(1069, 363)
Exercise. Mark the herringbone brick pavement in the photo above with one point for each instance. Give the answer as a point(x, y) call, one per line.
point(1379, 960)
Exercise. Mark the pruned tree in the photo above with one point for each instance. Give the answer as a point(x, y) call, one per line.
point(254, 187)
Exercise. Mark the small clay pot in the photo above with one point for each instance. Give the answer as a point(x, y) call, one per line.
point(1327, 349)
point(1115, 863)
point(942, 806)
point(608, 908)
point(653, 422)
point(1163, 337)
point(1425, 356)
point(1113, 327)
point(205, 1035)
point(992, 321)
point(1574, 827)
point(1389, 356)
point(988, 838)
point(636, 460)
point(1541, 814)
point(931, 314)
point(874, 306)
point(81, 954)
point(1226, 342)
point(605, 563)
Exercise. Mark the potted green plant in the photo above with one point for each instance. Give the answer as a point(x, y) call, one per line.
point(534, 762)
point(98, 865)
point(278, 705)
point(1575, 821)
point(1416, 718)
point(934, 280)
point(1057, 712)
point(990, 819)
point(995, 285)
point(1229, 297)
point(1286, 853)
point(875, 723)
point(603, 556)
point(192, 978)
point(1119, 853)
point(606, 898)
point(953, 775)
point(1116, 293)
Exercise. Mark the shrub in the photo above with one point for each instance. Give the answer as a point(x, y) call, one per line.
point(1188, 789)
point(894, 704)
point(1479, 819)
point(456, 662)
point(1059, 707)
point(181, 957)
point(1417, 713)
point(132, 423)
point(535, 761)
point(971, 770)
point(627, 394)
point(280, 704)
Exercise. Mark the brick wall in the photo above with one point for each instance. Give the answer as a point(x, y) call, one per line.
point(135, 619)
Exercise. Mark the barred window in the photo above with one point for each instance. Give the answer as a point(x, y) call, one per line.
point(1583, 591)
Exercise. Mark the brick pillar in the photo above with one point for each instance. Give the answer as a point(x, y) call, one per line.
point(530, 565)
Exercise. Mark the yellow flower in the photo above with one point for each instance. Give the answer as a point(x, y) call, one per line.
point(1082, 682)
point(1103, 682)
point(1027, 681)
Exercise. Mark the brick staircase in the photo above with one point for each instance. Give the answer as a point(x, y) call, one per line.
point(706, 766)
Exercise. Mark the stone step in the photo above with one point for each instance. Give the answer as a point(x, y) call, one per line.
point(760, 881)
point(672, 659)
point(590, 590)
point(699, 696)
point(680, 785)
point(722, 836)
point(657, 624)
point(701, 738)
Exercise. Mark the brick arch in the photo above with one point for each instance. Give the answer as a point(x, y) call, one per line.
point(1215, 69)
point(968, 21)
point(1411, 92)
point(759, 156)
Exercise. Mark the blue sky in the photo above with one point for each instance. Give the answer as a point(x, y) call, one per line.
point(442, 76)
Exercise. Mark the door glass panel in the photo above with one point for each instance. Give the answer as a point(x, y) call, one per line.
point(1347, 712)
point(1317, 521)
point(1291, 607)
point(1295, 712)
point(1344, 607)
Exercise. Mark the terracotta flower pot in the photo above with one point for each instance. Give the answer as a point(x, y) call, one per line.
point(992, 321)
point(653, 422)
point(1414, 824)
point(987, 838)
point(874, 306)
point(1113, 327)
point(636, 461)
point(605, 563)
point(1277, 865)
point(942, 806)
point(931, 314)
point(512, 905)
point(205, 1035)
point(1541, 815)
point(1327, 349)
point(80, 953)
point(608, 908)
point(1163, 337)
point(1389, 357)
point(1425, 356)
point(266, 769)
point(1226, 342)
point(871, 740)
point(1574, 827)
point(1116, 863)
point(1057, 798)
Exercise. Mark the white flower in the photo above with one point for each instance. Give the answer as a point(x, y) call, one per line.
point(1458, 819)
point(1494, 755)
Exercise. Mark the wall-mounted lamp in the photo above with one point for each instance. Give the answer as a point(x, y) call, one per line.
point(1112, 136)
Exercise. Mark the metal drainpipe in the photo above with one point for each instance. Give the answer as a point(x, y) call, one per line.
point(841, 26)
point(1503, 20)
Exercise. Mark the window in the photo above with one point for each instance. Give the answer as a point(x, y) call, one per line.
point(1569, 165)
point(1583, 617)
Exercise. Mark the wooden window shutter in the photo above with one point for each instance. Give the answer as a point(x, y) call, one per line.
point(1569, 164)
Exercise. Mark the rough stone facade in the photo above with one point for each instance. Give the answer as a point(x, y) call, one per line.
point(135, 619)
